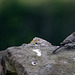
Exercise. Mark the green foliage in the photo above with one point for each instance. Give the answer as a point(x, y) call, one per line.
point(22, 20)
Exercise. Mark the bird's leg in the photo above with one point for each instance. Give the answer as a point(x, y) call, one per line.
point(57, 49)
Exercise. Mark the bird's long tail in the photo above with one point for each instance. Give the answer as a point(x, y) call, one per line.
point(57, 49)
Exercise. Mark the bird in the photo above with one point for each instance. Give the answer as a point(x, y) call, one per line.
point(69, 39)
point(39, 41)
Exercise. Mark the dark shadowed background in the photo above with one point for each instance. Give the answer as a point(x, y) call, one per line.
point(22, 20)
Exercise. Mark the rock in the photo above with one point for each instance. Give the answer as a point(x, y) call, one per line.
point(29, 60)
point(40, 42)
point(39, 60)
point(2, 63)
point(36, 59)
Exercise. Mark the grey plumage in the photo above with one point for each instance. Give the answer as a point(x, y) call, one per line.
point(69, 39)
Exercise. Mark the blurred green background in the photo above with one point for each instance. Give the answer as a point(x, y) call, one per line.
point(22, 20)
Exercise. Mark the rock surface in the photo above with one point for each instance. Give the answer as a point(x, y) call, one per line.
point(36, 58)
point(2, 63)
point(39, 60)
